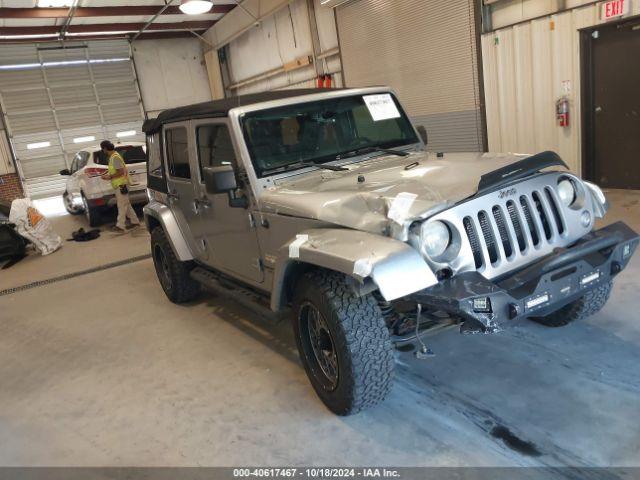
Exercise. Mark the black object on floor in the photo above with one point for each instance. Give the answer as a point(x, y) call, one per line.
point(11, 244)
point(82, 236)
point(12, 261)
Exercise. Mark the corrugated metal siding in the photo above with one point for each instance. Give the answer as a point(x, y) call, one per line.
point(524, 67)
point(426, 51)
point(57, 103)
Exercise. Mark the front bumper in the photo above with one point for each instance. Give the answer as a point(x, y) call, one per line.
point(538, 289)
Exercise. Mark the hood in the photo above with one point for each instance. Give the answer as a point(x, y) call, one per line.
point(375, 193)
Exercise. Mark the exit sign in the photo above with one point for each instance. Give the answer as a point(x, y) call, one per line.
point(615, 9)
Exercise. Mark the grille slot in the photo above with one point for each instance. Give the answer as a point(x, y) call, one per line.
point(487, 233)
point(530, 223)
point(473, 241)
point(502, 230)
point(515, 221)
point(555, 211)
point(546, 225)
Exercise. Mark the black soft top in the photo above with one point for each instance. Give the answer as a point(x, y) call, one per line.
point(220, 108)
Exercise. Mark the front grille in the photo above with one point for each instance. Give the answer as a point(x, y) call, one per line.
point(499, 232)
point(515, 221)
point(473, 241)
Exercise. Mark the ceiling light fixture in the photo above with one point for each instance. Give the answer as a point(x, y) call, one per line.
point(54, 3)
point(195, 7)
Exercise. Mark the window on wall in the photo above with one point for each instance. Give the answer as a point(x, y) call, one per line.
point(215, 148)
point(178, 152)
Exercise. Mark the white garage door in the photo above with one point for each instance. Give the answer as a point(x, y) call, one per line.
point(426, 50)
point(58, 100)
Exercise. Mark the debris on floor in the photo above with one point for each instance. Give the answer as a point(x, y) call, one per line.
point(34, 226)
point(84, 236)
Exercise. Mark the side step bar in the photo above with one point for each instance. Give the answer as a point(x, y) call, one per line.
point(238, 293)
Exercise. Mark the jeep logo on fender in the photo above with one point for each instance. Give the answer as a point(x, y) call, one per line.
point(509, 192)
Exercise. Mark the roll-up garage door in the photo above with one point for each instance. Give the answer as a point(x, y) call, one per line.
point(427, 52)
point(58, 100)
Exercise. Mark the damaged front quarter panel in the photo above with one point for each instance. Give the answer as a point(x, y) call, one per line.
point(393, 266)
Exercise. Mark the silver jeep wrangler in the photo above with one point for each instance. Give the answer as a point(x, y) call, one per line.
point(325, 204)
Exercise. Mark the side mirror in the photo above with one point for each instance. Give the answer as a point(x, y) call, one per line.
point(223, 180)
point(65, 172)
point(219, 180)
point(422, 131)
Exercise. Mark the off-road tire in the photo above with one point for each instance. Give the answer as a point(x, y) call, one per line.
point(591, 303)
point(71, 211)
point(174, 275)
point(358, 331)
point(93, 215)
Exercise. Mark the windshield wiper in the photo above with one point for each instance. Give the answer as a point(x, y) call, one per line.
point(290, 166)
point(362, 151)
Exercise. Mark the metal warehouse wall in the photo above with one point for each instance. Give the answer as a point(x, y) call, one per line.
point(171, 73)
point(525, 66)
point(427, 52)
point(287, 46)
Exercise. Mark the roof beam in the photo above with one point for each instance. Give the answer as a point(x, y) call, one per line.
point(105, 27)
point(83, 12)
point(145, 36)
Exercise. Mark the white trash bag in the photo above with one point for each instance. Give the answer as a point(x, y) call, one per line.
point(34, 226)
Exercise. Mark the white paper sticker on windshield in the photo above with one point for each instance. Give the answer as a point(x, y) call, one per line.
point(381, 107)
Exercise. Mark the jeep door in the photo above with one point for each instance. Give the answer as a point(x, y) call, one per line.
point(229, 232)
point(180, 168)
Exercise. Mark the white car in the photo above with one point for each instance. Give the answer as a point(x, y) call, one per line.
point(87, 192)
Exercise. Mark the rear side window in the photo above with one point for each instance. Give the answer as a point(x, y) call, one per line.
point(130, 154)
point(177, 152)
point(155, 159)
point(155, 171)
point(215, 148)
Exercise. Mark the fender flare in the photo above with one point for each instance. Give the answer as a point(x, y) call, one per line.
point(393, 266)
point(158, 213)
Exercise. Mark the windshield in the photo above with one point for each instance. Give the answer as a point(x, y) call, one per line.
point(324, 131)
point(130, 154)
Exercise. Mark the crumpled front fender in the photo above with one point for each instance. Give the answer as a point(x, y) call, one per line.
point(395, 267)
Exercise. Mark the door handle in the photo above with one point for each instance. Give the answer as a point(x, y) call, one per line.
point(598, 109)
point(173, 196)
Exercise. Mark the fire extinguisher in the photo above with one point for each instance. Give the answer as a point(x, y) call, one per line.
point(562, 112)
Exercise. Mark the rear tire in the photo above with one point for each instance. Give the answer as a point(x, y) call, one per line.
point(94, 216)
point(68, 205)
point(591, 303)
point(174, 275)
point(343, 343)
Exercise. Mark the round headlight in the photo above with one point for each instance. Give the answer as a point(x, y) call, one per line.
point(435, 238)
point(566, 192)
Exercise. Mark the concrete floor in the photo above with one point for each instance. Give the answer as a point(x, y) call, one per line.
point(102, 370)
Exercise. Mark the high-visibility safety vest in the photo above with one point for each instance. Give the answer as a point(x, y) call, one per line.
point(123, 180)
